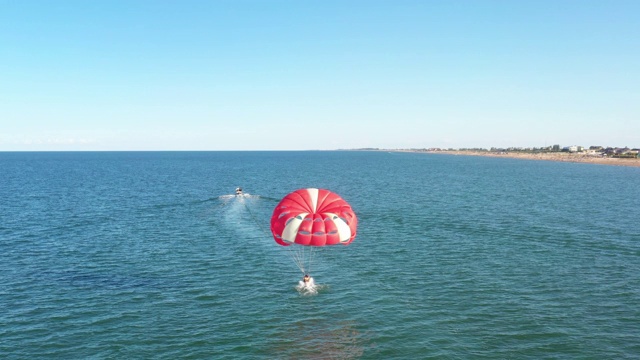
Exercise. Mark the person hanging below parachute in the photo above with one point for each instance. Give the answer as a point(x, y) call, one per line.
point(307, 219)
point(307, 283)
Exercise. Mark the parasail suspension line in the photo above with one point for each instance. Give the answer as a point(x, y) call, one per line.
point(299, 254)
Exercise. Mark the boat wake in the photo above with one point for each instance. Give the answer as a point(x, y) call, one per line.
point(230, 197)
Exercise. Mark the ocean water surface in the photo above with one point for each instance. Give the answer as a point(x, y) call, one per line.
point(147, 255)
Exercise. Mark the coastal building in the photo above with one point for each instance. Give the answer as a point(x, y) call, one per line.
point(593, 151)
point(573, 148)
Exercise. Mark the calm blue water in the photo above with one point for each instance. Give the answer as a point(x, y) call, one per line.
point(135, 255)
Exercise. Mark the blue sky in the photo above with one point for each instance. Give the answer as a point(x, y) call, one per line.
point(298, 75)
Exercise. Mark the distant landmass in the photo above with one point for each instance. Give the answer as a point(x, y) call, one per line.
point(594, 154)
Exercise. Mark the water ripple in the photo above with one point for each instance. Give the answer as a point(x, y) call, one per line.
point(140, 255)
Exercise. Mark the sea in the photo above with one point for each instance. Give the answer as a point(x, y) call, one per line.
point(150, 255)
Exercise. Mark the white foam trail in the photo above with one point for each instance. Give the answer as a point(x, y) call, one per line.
point(308, 289)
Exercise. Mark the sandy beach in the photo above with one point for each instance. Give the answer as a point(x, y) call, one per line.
point(561, 156)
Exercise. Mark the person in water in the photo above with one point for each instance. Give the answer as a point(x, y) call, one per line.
point(307, 281)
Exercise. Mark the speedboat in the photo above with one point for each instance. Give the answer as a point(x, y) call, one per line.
point(239, 191)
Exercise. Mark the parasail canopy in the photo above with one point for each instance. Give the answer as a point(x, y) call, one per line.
point(313, 217)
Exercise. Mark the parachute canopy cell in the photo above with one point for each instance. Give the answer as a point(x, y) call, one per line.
point(313, 217)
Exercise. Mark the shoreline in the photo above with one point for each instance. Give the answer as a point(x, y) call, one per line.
point(561, 156)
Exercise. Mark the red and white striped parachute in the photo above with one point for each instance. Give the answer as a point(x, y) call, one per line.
point(313, 217)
